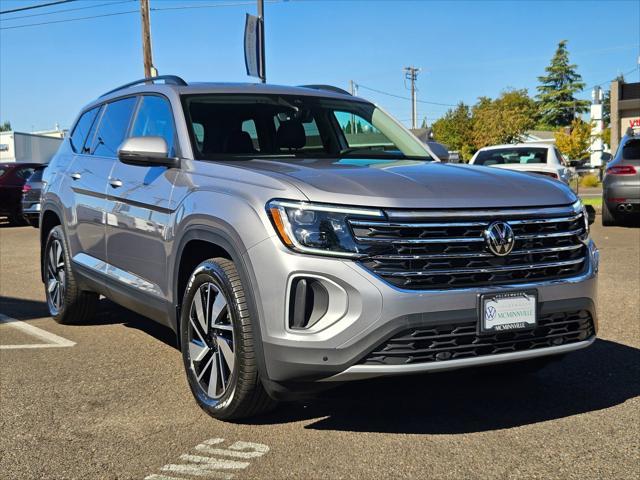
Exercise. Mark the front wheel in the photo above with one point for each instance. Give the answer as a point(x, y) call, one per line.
point(217, 343)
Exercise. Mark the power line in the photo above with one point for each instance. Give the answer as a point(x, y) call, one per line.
point(156, 9)
point(404, 98)
point(68, 10)
point(609, 81)
point(21, 9)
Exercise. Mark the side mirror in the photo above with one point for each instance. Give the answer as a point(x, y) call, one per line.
point(591, 213)
point(146, 152)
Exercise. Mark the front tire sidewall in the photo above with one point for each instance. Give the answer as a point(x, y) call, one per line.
point(209, 272)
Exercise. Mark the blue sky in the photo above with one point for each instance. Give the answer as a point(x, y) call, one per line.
point(465, 49)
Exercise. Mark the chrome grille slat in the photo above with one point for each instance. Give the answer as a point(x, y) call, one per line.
point(530, 251)
point(450, 251)
point(506, 268)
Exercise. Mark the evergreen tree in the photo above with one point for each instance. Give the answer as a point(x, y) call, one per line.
point(5, 127)
point(557, 103)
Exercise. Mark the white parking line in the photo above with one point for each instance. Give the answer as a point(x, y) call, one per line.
point(51, 339)
point(210, 467)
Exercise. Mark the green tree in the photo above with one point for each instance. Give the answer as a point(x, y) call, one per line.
point(504, 119)
point(454, 129)
point(5, 127)
point(557, 102)
point(575, 143)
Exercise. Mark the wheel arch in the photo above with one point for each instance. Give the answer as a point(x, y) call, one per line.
point(199, 243)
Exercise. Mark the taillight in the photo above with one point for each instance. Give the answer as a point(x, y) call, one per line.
point(621, 170)
point(26, 188)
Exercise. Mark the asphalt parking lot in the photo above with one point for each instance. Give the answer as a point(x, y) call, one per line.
point(110, 400)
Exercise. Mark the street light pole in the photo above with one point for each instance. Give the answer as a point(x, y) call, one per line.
point(147, 55)
point(263, 63)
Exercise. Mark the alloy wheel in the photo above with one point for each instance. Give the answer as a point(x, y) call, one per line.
point(55, 276)
point(211, 340)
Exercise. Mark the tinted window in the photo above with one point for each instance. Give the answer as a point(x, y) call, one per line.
point(37, 175)
point(250, 126)
point(24, 173)
point(113, 127)
point(82, 128)
point(154, 119)
point(631, 151)
point(505, 156)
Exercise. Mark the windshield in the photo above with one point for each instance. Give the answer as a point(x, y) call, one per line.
point(505, 156)
point(274, 126)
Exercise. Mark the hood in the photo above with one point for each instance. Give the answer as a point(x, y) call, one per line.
point(413, 184)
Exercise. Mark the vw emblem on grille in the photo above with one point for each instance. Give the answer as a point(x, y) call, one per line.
point(499, 238)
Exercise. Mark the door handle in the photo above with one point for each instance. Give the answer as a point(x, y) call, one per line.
point(76, 176)
point(115, 183)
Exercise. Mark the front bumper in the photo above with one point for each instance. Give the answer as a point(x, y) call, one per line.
point(366, 311)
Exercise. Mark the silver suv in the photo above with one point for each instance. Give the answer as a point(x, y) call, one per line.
point(295, 237)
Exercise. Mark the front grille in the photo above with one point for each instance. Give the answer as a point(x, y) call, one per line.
point(453, 341)
point(429, 252)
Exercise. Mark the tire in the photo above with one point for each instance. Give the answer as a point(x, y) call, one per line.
point(218, 344)
point(17, 220)
point(608, 218)
point(67, 303)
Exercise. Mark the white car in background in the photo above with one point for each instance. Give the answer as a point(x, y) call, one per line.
point(540, 158)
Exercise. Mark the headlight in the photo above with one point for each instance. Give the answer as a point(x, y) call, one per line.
point(316, 228)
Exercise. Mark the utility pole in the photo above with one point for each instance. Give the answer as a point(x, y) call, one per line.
point(147, 56)
point(353, 86)
point(411, 73)
point(263, 64)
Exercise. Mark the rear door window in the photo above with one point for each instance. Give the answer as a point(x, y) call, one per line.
point(113, 127)
point(155, 119)
point(81, 130)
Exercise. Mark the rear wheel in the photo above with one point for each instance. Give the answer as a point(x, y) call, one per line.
point(217, 343)
point(67, 303)
point(608, 218)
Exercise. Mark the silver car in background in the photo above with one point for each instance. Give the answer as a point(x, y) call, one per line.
point(539, 158)
point(621, 183)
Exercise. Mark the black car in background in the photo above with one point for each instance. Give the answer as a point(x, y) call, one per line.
point(13, 176)
point(31, 191)
point(621, 183)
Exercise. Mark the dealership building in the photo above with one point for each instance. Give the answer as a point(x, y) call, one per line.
point(625, 110)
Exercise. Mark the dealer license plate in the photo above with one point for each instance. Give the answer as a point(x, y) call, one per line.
point(500, 312)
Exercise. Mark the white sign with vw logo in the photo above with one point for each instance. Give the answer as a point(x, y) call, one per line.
point(508, 311)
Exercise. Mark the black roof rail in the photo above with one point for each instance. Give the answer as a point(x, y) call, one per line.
point(168, 80)
point(329, 88)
